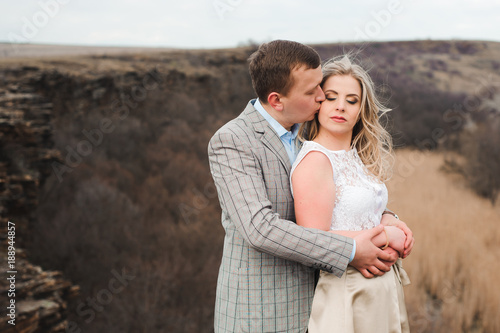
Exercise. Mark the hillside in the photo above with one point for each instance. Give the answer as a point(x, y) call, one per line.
point(16, 51)
point(103, 166)
point(453, 265)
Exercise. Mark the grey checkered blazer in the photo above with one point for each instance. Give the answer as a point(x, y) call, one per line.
point(266, 278)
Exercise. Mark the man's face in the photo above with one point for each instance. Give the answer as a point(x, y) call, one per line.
point(304, 98)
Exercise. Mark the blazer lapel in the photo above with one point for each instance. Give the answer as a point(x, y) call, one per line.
point(274, 143)
point(268, 136)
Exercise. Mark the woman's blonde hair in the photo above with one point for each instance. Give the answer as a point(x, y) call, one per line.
point(369, 137)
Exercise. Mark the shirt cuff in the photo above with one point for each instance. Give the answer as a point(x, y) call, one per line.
point(353, 250)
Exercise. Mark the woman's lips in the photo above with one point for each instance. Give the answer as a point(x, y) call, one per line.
point(338, 119)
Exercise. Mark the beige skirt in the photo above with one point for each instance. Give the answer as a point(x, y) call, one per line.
point(353, 303)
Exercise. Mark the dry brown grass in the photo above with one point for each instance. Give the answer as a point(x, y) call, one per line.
point(454, 265)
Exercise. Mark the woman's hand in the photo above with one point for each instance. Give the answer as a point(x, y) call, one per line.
point(396, 239)
point(390, 220)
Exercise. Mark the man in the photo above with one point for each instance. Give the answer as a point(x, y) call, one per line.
point(266, 278)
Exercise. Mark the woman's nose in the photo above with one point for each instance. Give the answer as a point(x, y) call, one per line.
point(340, 105)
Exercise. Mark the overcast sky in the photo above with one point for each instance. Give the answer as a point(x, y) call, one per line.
point(227, 23)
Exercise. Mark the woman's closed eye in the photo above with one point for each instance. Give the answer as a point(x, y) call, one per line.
point(352, 102)
point(331, 96)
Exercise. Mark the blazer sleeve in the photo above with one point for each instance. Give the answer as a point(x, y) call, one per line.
point(242, 194)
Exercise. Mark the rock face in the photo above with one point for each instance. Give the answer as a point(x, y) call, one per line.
point(41, 298)
point(84, 91)
point(25, 157)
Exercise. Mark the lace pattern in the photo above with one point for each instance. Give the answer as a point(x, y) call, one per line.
point(360, 197)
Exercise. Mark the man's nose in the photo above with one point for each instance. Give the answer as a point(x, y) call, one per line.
point(321, 95)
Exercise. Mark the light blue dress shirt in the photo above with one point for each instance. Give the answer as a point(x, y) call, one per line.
point(289, 141)
point(287, 137)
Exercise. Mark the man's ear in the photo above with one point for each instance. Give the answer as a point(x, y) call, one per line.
point(274, 99)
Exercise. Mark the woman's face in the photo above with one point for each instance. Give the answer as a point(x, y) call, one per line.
point(340, 110)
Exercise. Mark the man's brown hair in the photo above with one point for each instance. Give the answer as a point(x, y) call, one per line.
point(272, 64)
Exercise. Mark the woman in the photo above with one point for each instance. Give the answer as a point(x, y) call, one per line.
point(337, 183)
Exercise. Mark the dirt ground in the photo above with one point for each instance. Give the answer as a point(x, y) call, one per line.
point(8, 50)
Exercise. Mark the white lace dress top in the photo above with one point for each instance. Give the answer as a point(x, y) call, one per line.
point(360, 198)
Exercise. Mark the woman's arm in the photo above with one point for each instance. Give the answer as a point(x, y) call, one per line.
point(314, 195)
point(314, 199)
point(314, 191)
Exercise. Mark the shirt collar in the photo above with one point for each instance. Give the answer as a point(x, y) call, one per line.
point(274, 123)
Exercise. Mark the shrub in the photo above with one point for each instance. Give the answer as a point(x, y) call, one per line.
point(482, 166)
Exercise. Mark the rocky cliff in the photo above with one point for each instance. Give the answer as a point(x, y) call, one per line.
point(47, 108)
point(25, 156)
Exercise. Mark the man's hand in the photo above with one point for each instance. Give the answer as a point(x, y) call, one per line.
point(393, 253)
point(369, 259)
point(390, 220)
